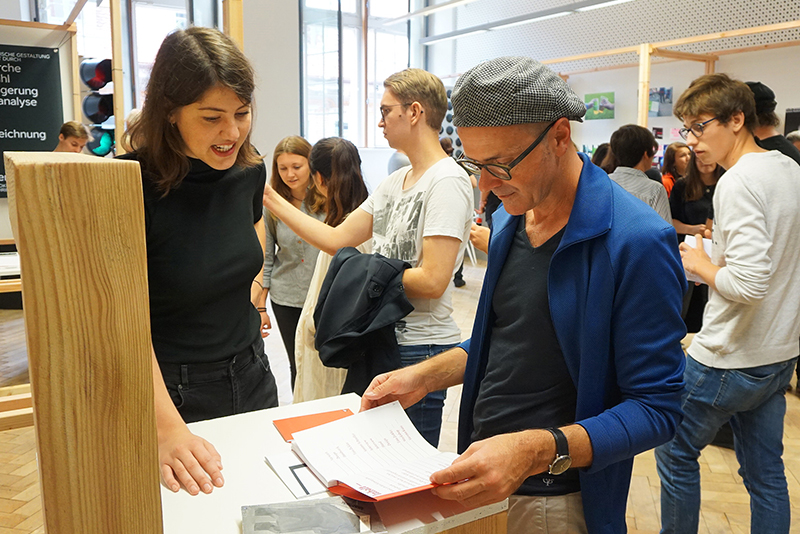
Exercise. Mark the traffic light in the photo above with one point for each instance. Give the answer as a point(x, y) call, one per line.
point(102, 141)
point(95, 74)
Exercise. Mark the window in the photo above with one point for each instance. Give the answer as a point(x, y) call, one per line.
point(342, 85)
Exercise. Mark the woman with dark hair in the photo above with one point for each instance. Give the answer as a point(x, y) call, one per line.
point(202, 182)
point(289, 260)
point(336, 168)
point(676, 161)
point(600, 153)
point(691, 204)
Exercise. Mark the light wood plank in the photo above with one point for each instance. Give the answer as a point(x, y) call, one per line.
point(78, 222)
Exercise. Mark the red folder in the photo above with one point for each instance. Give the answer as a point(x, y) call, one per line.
point(287, 427)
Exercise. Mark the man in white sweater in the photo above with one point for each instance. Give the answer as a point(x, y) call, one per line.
point(741, 361)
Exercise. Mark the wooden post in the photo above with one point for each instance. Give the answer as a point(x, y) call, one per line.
point(117, 76)
point(644, 83)
point(711, 66)
point(78, 222)
point(233, 21)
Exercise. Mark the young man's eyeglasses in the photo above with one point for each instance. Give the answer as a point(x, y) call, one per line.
point(386, 109)
point(697, 129)
point(499, 170)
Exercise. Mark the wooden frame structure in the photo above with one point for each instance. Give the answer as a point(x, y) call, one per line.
point(646, 51)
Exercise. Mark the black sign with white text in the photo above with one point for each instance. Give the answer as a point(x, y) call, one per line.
point(31, 113)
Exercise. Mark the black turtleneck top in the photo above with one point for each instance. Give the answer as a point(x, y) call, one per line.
point(202, 257)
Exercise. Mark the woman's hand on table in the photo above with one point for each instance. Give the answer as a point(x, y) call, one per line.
point(189, 461)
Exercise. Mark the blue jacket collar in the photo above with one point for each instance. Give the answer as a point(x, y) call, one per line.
point(592, 211)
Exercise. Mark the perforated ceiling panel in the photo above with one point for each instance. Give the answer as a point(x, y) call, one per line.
point(630, 24)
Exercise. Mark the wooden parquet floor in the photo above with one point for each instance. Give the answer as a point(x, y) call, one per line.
point(725, 503)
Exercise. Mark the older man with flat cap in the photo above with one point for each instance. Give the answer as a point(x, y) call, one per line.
point(575, 363)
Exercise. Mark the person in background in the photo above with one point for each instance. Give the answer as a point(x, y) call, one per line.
point(766, 131)
point(447, 146)
point(691, 203)
point(575, 357)
point(72, 137)
point(741, 361)
point(794, 138)
point(397, 161)
point(676, 160)
point(336, 171)
point(202, 183)
point(420, 214)
point(654, 173)
point(289, 260)
point(632, 151)
point(130, 120)
point(600, 153)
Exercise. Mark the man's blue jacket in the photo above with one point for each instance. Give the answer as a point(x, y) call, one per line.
point(615, 286)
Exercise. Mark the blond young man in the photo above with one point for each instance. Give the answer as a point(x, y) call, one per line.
point(420, 214)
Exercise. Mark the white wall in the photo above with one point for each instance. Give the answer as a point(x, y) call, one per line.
point(272, 44)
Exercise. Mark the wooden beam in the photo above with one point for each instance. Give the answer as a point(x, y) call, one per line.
point(22, 418)
point(675, 54)
point(75, 78)
point(12, 285)
point(756, 48)
point(5, 241)
point(591, 55)
point(644, 83)
point(15, 402)
point(76, 10)
point(15, 390)
point(79, 226)
point(38, 25)
point(732, 33)
point(233, 21)
point(711, 66)
point(117, 76)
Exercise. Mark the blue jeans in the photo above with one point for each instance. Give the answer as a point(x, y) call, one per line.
point(427, 413)
point(754, 402)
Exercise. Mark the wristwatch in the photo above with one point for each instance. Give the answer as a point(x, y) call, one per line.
point(562, 461)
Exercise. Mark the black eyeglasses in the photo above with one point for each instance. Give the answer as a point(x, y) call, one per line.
point(697, 129)
point(385, 109)
point(499, 170)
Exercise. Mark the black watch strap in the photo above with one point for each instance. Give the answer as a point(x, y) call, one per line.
point(562, 446)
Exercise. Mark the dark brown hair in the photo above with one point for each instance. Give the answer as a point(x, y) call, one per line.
point(694, 183)
point(720, 96)
point(669, 159)
point(294, 144)
point(630, 143)
point(338, 162)
point(189, 63)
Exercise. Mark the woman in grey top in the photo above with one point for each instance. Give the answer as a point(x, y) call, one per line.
point(289, 261)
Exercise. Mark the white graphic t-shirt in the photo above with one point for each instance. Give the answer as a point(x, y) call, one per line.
point(439, 204)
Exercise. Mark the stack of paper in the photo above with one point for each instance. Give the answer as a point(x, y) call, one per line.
point(373, 455)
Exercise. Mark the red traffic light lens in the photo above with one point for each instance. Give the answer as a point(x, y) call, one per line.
point(95, 73)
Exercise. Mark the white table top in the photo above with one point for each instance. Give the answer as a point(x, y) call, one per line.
point(244, 440)
point(9, 264)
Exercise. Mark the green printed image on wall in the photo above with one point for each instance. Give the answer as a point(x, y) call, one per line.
point(599, 106)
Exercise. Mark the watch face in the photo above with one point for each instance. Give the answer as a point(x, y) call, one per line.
point(560, 464)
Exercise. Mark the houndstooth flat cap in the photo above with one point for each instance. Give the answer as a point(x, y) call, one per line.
point(512, 90)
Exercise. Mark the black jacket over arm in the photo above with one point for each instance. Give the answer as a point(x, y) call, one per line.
point(361, 299)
